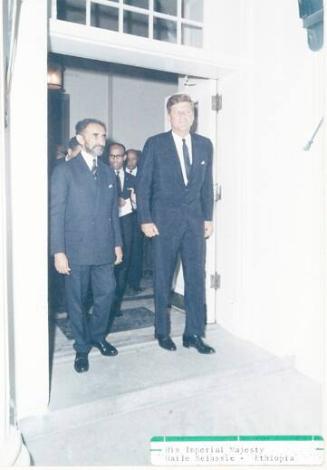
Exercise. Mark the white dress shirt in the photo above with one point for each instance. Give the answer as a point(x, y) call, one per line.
point(179, 146)
point(132, 172)
point(89, 158)
point(128, 207)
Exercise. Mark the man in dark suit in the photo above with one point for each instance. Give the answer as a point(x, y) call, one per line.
point(136, 265)
point(86, 239)
point(56, 280)
point(174, 196)
point(127, 206)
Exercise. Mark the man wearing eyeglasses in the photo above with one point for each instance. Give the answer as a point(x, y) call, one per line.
point(127, 218)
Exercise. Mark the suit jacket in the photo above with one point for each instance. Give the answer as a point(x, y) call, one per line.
point(84, 213)
point(162, 196)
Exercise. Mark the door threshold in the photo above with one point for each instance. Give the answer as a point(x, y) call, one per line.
point(126, 340)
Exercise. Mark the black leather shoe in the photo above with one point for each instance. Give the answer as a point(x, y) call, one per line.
point(105, 348)
point(166, 343)
point(81, 363)
point(196, 342)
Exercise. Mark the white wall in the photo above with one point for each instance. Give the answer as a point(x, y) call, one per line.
point(271, 243)
point(138, 109)
point(133, 108)
point(226, 31)
point(89, 93)
point(29, 204)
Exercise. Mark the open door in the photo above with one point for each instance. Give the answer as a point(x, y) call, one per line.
point(202, 92)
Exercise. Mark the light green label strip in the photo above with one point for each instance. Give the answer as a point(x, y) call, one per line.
point(234, 438)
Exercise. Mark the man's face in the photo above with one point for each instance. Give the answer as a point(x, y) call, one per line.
point(131, 161)
point(92, 139)
point(116, 157)
point(181, 117)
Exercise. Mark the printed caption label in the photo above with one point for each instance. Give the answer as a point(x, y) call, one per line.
point(237, 450)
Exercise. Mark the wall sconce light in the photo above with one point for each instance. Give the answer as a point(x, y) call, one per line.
point(312, 14)
point(55, 77)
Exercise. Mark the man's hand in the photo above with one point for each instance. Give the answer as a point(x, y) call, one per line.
point(208, 228)
point(119, 254)
point(61, 263)
point(150, 230)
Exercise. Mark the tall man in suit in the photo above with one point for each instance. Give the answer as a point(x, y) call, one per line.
point(174, 195)
point(86, 239)
point(127, 218)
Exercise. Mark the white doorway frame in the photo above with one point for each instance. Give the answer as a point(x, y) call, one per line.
point(107, 46)
point(87, 42)
point(91, 43)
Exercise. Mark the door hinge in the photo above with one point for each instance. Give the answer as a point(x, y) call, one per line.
point(215, 281)
point(218, 192)
point(216, 102)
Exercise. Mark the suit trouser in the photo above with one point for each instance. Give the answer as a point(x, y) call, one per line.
point(87, 328)
point(56, 289)
point(136, 261)
point(186, 240)
point(127, 223)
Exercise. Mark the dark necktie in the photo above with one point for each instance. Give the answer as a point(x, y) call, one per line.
point(118, 181)
point(94, 169)
point(187, 160)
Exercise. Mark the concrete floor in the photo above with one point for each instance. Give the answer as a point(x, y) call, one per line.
point(108, 415)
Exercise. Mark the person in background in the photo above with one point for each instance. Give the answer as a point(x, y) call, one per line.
point(74, 149)
point(175, 206)
point(85, 239)
point(63, 155)
point(135, 270)
point(60, 153)
point(132, 159)
point(126, 202)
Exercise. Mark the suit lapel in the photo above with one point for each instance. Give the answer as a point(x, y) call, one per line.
point(175, 159)
point(125, 182)
point(125, 186)
point(83, 165)
point(195, 158)
point(101, 182)
point(86, 174)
